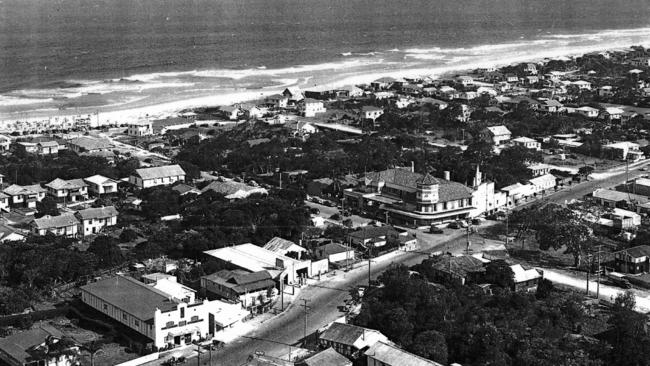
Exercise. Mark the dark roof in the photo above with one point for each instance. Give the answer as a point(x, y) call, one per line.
point(67, 184)
point(49, 222)
point(17, 345)
point(427, 179)
point(369, 232)
point(388, 354)
point(242, 282)
point(160, 171)
point(398, 176)
point(132, 296)
point(638, 252)
point(333, 248)
point(459, 265)
point(346, 334)
point(328, 357)
point(185, 188)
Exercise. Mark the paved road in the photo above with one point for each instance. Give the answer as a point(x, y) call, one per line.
point(324, 298)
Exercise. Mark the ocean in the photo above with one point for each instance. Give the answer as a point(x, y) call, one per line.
point(69, 56)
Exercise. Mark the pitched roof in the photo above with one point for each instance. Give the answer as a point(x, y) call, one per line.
point(523, 275)
point(66, 184)
point(370, 232)
point(54, 222)
point(14, 189)
point(346, 334)
point(185, 188)
point(461, 265)
point(232, 189)
point(638, 251)
point(251, 257)
point(91, 143)
point(447, 190)
point(282, 246)
point(97, 213)
point(49, 143)
point(160, 171)
point(132, 296)
point(428, 179)
point(333, 248)
point(390, 355)
point(328, 357)
point(524, 139)
point(17, 345)
point(499, 130)
point(99, 180)
point(370, 108)
point(241, 281)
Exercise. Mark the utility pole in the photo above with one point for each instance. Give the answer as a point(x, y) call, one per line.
point(281, 294)
point(588, 270)
point(306, 308)
point(198, 354)
point(507, 223)
point(598, 274)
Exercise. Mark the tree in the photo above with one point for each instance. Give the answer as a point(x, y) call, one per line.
point(430, 344)
point(585, 170)
point(93, 348)
point(498, 272)
point(560, 227)
point(47, 206)
point(544, 289)
point(625, 300)
point(107, 251)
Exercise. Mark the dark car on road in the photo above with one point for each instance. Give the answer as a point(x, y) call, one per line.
point(436, 230)
point(454, 225)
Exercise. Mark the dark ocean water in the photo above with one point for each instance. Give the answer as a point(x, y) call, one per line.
point(63, 44)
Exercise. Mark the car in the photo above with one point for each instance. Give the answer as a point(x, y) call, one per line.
point(644, 169)
point(314, 211)
point(454, 225)
point(476, 221)
point(436, 230)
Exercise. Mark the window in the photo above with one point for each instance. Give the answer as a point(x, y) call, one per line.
point(182, 312)
point(169, 324)
point(181, 323)
point(136, 323)
point(124, 316)
point(195, 318)
point(105, 307)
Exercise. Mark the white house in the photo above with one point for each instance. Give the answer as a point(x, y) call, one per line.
point(93, 220)
point(542, 183)
point(496, 134)
point(371, 112)
point(62, 225)
point(465, 80)
point(313, 107)
point(140, 128)
point(605, 91)
point(335, 252)
point(582, 85)
point(527, 142)
point(165, 320)
point(402, 103)
point(588, 112)
point(4, 202)
point(99, 184)
point(157, 176)
point(612, 113)
point(72, 190)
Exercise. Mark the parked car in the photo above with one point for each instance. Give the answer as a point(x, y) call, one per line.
point(435, 230)
point(454, 225)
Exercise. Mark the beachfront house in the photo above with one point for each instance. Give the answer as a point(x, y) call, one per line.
point(312, 107)
point(140, 129)
point(157, 176)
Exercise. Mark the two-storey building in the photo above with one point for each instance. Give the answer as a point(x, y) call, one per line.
point(68, 191)
point(25, 196)
point(94, 219)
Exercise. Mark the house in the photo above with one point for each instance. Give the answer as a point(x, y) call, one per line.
point(283, 246)
point(185, 189)
point(89, 144)
point(539, 169)
point(328, 357)
point(383, 353)
point(542, 183)
point(237, 285)
point(157, 176)
point(62, 225)
point(411, 198)
point(68, 191)
point(496, 135)
point(605, 91)
point(436, 103)
point(612, 114)
point(512, 78)
point(531, 79)
point(551, 106)
point(588, 112)
point(93, 220)
point(5, 202)
point(99, 185)
point(252, 258)
point(369, 112)
point(402, 103)
point(48, 148)
point(633, 260)
point(313, 107)
point(613, 199)
point(462, 270)
point(163, 319)
point(5, 143)
point(10, 234)
point(176, 290)
point(25, 196)
point(624, 219)
point(373, 235)
point(233, 190)
point(230, 112)
point(465, 80)
point(382, 83)
point(335, 252)
point(277, 101)
point(140, 129)
point(527, 142)
point(294, 94)
point(624, 150)
point(349, 340)
point(531, 69)
point(525, 280)
point(29, 348)
point(582, 85)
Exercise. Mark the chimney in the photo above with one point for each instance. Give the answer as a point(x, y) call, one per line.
point(447, 175)
point(412, 166)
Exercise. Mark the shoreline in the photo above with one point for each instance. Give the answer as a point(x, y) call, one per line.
point(166, 104)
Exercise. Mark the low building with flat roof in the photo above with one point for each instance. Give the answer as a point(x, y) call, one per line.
point(386, 354)
point(163, 319)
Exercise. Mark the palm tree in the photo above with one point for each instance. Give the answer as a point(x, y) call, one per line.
point(93, 348)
